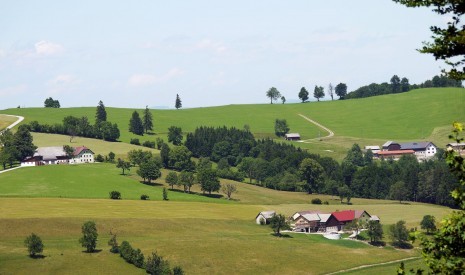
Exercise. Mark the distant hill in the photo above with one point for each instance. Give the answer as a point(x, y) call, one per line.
point(416, 115)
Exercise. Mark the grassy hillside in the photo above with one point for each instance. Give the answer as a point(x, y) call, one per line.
point(5, 121)
point(201, 238)
point(416, 115)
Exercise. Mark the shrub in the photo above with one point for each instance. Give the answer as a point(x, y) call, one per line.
point(149, 144)
point(156, 265)
point(113, 243)
point(135, 141)
point(262, 221)
point(99, 158)
point(144, 197)
point(165, 194)
point(316, 201)
point(326, 202)
point(34, 245)
point(115, 195)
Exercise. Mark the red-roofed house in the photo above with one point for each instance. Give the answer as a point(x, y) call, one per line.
point(347, 216)
point(82, 154)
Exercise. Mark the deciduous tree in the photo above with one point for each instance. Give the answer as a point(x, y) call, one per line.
point(398, 191)
point(303, 94)
point(228, 189)
point(149, 170)
point(331, 91)
point(273, 94)
point(186, 179)
point(123, 165)
point(428, 223)
point(175, 135)
point(280, 127)
point(208, 181)
point(34, 245)
point(341, 90)
point(312, 173)
point(318, 92)
point(279, 222)
point(172, 179)
point(89, 236)
point(375, 231)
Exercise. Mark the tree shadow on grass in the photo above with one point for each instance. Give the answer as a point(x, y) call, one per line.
point(215, 196)
point(286, 236)
point(151, 183)
point(38, 256)
point(93, 252)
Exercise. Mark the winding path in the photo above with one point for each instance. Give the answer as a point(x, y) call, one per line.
point(372, 265)
point(331, 133)
point(20, 118)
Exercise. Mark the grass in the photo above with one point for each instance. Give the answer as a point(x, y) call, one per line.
point(408, 116)
point(202, 239)
point(6, 121)
point(389, 269)
point(203, 235)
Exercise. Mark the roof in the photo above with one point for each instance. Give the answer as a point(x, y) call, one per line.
point(79, 149)
point(374, 218)
point(416, 145)
point(455, 144)
point(267, 214)
point(311, 217)
point(50, 153)
point(388, 143)
point(324, 217)
point(291, 135)
point(344, 216)
point(359, 213)
point(396, 152)
point(372, 147)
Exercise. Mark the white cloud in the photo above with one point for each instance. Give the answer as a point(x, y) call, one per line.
point(62, 83)
point(13, 90)
point(149, 79)
point(207, 44)
point(48, 48)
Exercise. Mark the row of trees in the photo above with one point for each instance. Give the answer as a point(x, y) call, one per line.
point(340, 90)
point(15, 147)
point(75, 126)
point(401, 85)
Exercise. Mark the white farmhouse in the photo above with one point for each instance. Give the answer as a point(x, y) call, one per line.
point(56, 155)
point(423, 150)
point(264, 216)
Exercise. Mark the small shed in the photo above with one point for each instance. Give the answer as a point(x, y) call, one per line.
point(265, 215)
point(292, 136)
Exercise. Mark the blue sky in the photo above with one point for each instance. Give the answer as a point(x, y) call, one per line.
point(137, 53)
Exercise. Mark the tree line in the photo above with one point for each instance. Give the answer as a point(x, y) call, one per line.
point(15, 147)
point(398, 85)
point(75, 126)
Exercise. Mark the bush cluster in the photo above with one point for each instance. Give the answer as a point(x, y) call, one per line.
point(316, 201)
point(115, 195)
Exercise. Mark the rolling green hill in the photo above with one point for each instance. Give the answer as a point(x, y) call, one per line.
point(422, 114)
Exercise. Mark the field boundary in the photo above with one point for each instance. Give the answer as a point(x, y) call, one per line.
point(372, 265)
point(330, 132)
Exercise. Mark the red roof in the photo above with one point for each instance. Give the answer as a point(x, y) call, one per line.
point(79, 149)
point(344, 216)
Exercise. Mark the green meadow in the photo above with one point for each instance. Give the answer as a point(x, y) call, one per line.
point(416, 115)
point(202, 234)
point(5, 121)
point(210, 234)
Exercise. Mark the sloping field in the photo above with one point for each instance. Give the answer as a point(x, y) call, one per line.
point(201, 237)
point(5, 121)
point(408, 116)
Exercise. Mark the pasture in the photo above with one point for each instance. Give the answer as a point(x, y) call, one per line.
point(5, 121)
point(415, 115)
point(202, 234)
point(201, 237)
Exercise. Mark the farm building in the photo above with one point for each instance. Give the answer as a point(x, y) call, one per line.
point(292, 136)
point(264, 216)
point(314, 221)
point(395, 155)
point(423, 150)
point(391, 146)
point(57, 155)
point(374, 148)
point(457, 147)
